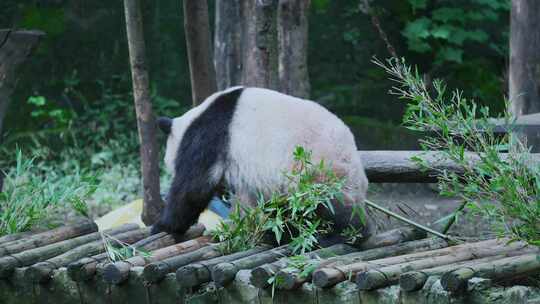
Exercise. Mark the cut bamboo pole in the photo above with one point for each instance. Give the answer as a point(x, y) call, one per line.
point(510, 267)
point(330, 276)
point(197, 273)
point(155, 272)
point(32, 256)
point(415, 280)
point(118, 272)
point(42, 271)
point(48, 237)
point(85, 268)
point(385, 276)
point(291, 278)
point(224, 273)
point(260, 275)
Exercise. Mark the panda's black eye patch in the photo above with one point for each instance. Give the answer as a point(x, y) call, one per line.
point(165, 124)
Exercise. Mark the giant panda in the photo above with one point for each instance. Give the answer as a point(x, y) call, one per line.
point(242, 140)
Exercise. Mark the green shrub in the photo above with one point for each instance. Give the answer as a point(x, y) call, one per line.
point(29, 196)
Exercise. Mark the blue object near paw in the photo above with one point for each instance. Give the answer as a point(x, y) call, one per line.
point(220, 207)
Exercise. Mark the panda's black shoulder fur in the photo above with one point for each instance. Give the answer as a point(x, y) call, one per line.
point(204, 144)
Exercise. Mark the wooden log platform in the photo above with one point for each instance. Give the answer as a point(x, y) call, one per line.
point(204, 274)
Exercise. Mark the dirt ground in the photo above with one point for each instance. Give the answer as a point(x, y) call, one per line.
point(421, 203)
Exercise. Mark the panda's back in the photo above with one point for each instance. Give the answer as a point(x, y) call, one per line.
point(268, 125)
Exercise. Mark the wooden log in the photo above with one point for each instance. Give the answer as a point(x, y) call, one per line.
point(391, 243)
point(32, 256)
point(329, 276)
point(510, 267)
point(224, 273)
point(197, 273)
point(155, 272)
point(118, 272)
point(261, 274)
point(397, 166)
point(41, 272)
point(14, 237)
point(385, 276)
point(415, 280)
point(48, 237)
point(86, 268)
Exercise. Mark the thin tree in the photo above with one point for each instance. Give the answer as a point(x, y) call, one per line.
point(524, 78)
point(146, 124)
point(198, 42)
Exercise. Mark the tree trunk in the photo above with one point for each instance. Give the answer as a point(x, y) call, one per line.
point(292, 29)
point(260, 44)
point(524, 67)
point(143, 107)
point(198, 43)
point(15, 48)
point(228, 43)
point(525, 57)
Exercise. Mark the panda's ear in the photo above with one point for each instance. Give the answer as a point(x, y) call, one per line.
point(164, 124)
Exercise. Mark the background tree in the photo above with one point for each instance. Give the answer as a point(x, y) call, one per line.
point(198, 43)
point(228, 43)
point(259, 67)
point(292, 28)
point(146, 124)
point(15, 47)
point(524, 80)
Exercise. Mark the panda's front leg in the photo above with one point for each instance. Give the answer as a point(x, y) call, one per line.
point(184, 204)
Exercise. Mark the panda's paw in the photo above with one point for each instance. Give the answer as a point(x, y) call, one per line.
point(157, 228)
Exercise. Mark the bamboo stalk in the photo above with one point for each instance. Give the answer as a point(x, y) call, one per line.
point(48, 237)
point(291, 278)
point(261, 274)
point(42, 271)
point(85, 268)
point(118, 272)
point(330, 276)
point(32, 256)
point(156, 271)
point(407, 221)
point(510, 267)
point(225, 272)
point(197, 273)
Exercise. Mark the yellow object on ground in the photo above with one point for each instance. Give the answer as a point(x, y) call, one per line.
point(131, 213)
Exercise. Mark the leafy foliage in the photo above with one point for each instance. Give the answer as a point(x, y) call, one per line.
point(504, 189)
point(291, 215)
point(446, 26)
point(29, 197)
point(118, 250)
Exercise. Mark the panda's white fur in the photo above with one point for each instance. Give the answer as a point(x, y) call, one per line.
point(263, 132)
